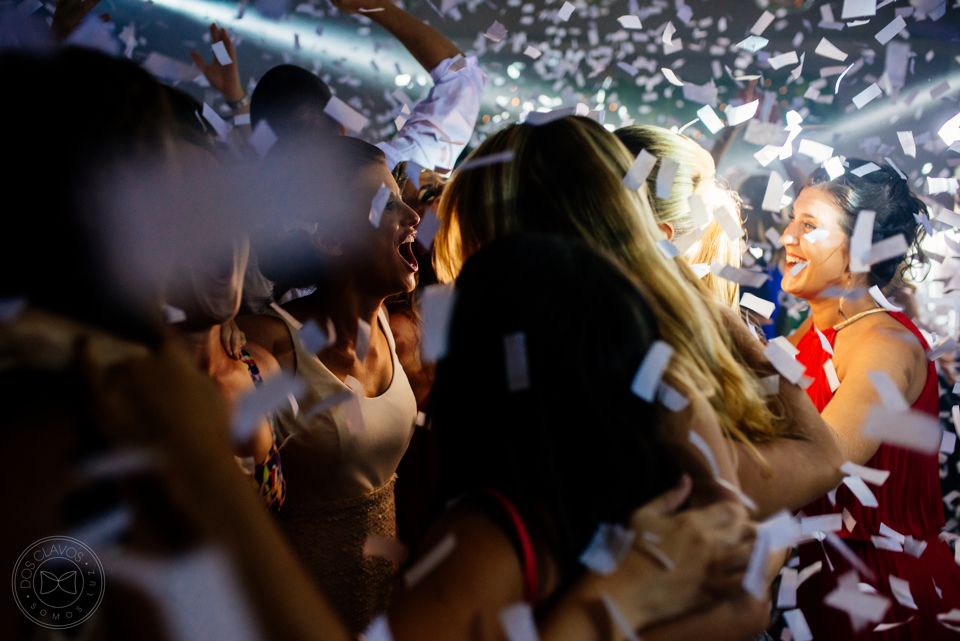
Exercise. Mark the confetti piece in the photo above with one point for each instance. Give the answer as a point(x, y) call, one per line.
point(671, 398)
point(912, 430)
point(312, 338)
point(778, 532)
point(436, 311)
point(430, 561)
point(831, 373)
point(948, 346)
point(856, 485)
point(762, 23)
point(515, 353)
point(888, 248)
point(671, 77)
point(889, 393)
point(784, 59)
point(496, 32)
point(744, 277)
point(607, 549)
point(668, 32)
point(518, 623)
point(345, 115)
point(858, 9)
point(698, 441)
point(862, 608)
point(698, 210)
point(868, 474)
point(773, 196)
point(787, 595)
point(818, 152)
point(798, 625)
point(728, 223)
point(865, 169)
point(489, 159)
point(171, 314)
point(220, 51)
point(907, 143)
point(668, 249)
point(950, 131)
point(566, 11)
point(241, 119)
point(770, 385)
point(647, 379)
point(948, 442)
point(363, 339)
point(821, 523)
point(834, 168)
point(219, 125)
point(532, 52)
point(378, 630)
point(828, 50)
point(901, 592)
point(784, 362)
point(665, 177)
point(262, 139)
point(630, 22)
point(816, 235)
point(742, 113)
point(763, 307)
point(861, 241)
point(752, 44)
point(640, 170)
point(914, 547)
point(865, 96)
point(377, 206)
point(255, 405)
point(887, 34)
point(710, 119)
point(878, 296)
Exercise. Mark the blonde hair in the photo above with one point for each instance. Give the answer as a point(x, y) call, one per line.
point(697, 174)
point(566, 178)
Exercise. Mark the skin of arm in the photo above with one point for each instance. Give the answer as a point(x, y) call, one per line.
point(272, 335)
point(427, 45)
point(164, 402)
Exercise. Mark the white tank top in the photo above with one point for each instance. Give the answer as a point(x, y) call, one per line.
point(357, 462)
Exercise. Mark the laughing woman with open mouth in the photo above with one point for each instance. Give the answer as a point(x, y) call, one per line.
point(343, 456)
point(848, 341)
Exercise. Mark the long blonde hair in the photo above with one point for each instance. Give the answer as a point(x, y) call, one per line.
point(697, 174)
point(566, 177)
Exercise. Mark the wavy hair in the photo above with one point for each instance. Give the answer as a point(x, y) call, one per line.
point(566, 178)
point(697, 174)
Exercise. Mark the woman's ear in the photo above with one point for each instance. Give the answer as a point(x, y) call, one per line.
point(667, 230)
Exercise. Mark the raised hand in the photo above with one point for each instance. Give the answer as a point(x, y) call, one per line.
point(223, 78)
point(69, 14)
point(355, 6)
point(232, 339)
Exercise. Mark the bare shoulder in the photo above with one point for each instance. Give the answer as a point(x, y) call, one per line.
point(269, 334)
point(883, 343)
point(266, 362)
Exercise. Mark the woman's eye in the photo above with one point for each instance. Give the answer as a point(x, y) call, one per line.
point(809, 226)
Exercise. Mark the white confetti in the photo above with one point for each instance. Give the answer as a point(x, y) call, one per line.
point(887, 34)
point(865, 96)
point(858, 9)
point(740, 114)
point(907, 143)
point(784, 59)
point(607, 549)
point(710, 119)
point(826, 49)
point(220, 51)
point(430, 561)
point(566, 11)
point(798, 625)
point(863, 170)
point(515, 354)
point(647, 379)
point(762, 23)
point(666, 176)
point(878, 296)
point(671, 77)
point(640, 169)
point(630, 22)
point(378, 204)
point(861, 242)
point(773, 196)
point(518, 623)
point(763, 307)
point(345, 115)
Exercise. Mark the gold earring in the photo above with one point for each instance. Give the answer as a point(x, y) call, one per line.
point(849, 281)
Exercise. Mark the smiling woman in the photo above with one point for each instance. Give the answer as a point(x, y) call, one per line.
point(340, 459)
point(850, 341)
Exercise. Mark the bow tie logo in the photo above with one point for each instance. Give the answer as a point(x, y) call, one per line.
point(66, 582)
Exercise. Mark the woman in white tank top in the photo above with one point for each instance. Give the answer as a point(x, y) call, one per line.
point(345, 441)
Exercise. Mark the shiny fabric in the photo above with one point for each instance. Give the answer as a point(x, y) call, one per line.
point(441, 125)
point(910, 503)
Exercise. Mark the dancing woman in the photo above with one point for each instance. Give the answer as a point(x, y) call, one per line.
point(857, 337)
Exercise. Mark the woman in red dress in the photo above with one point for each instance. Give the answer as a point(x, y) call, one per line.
point(846, 339)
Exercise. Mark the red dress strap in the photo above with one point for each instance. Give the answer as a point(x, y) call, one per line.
point(528, 561)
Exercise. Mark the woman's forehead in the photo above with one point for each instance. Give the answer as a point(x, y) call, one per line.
point(817, 203)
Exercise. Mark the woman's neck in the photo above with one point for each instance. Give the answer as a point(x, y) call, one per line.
point(826, 311)
point(343, 303)
point(207, 350)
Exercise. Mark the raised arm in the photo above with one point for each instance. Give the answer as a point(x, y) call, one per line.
point(426, 44)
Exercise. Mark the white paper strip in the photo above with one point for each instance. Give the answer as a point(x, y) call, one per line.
point(912, 430)
point(858, 9)
point(671, 77)
point(741, 113)
point(831, 373)
point(763, 307)
point(436, 311)
point(345, 115)
point(666, 176)
point(790, 368)
point(607, 549)
point(762, 23)
point(515, 353)
point(640, 169)
point(878, 296)
point(861, 242)
point(710, 119)
point(821, 523)
point(887, 34)
point(698, 210)
point(518, 623)
point(430, 561)
point(773, 196)
point(630, 22)
point(828, 50)
point(868, 474)
point(798, 625)
point(784, 59)
point(648, 376)
point(865, 96)
point(907, 143)
point(856, 485)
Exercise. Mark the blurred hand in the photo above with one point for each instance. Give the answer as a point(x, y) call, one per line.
point(162, 400)
point(232, 338)
point(708, 550)
point(354, 6)
point(69, 14)
point(225, 79)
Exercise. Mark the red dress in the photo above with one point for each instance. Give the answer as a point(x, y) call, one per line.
point(910, 503)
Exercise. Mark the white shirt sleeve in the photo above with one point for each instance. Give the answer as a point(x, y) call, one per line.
point(441, 124)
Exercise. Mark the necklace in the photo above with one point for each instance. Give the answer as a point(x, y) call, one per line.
point(857, 317)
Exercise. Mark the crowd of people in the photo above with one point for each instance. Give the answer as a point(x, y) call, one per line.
point(399, 391)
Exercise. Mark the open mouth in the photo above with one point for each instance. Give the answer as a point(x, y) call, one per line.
point(406, 252)
point(795, 264)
